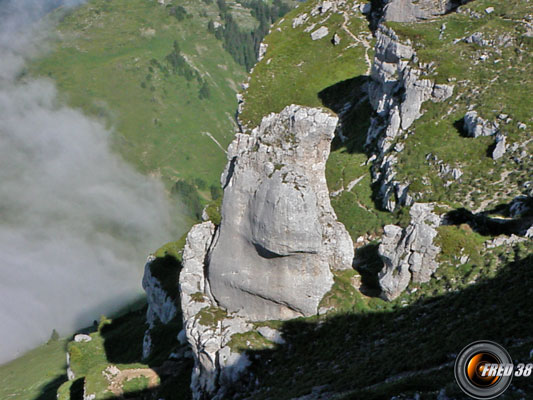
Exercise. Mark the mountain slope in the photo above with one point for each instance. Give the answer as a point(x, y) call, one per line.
point(116, 60)
point(440, 215)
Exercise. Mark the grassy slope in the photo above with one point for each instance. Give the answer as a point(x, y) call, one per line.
point(104, 54)
point(37, 374)
point(499, 85)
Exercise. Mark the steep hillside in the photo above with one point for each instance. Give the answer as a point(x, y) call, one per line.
point(377, 217)
point(141, 67)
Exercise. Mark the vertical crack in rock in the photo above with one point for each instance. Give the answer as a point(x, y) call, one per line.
point(273, 254)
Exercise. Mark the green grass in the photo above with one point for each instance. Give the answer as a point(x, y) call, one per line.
point(36, 374)
point(103, 63)
point(136, 384)
point(247, 341)
point(489, 87)
point(296, 68)
point(210, 316)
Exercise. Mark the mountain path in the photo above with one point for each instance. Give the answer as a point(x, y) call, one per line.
point(363, 41)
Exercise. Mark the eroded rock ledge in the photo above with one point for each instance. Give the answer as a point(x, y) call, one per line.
point(273, 254)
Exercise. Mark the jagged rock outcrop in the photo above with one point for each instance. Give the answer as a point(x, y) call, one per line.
point(272, 255)
point(161, 306)
point(208, 329)
point(500, 147)
point(415, 10)
point(397, 92)
point(277, 216)
point(409, 254)
point(476, 126)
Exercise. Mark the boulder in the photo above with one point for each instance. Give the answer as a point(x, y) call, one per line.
point(320, 33)
point(499, 149)
point(476, 126)
point(81, 338)
point(409, 254)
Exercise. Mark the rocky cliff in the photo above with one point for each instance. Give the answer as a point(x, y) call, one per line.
point(278, 242)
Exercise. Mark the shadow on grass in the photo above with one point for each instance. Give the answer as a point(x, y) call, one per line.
point(49, 391)
point(348, 99)
point(352, 352)
point(487, 226)
point(369, 264)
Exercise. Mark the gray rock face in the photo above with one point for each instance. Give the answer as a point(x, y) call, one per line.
point(476, 126)
point(411, 10)
point(215, 365)
point(409, 254)
point(161, 306)
point(321, 32)
point(279, 235)
point(396, 93)
point(500, 148)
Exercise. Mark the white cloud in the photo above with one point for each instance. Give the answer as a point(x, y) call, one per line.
point(76, 221)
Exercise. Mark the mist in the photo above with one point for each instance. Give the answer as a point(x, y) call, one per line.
point(76, 221)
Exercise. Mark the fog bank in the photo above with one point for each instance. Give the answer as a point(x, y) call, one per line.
point(76, 221)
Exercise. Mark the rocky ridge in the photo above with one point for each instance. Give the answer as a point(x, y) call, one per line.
point(396, 93)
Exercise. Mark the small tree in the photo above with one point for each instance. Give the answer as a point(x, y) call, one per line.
point(204, 91)
point(211, 26)
point(54, 337)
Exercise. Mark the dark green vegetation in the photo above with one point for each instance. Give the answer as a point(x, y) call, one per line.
point(244, 45)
